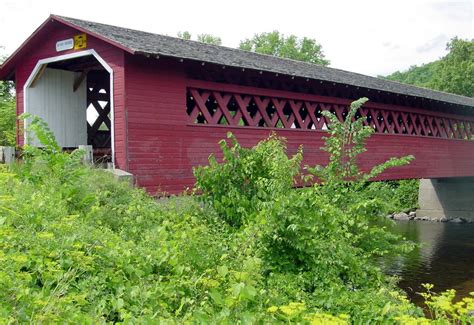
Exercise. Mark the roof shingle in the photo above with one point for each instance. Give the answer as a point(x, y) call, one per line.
point(155, 44)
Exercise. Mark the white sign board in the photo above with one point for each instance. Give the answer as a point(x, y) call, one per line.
point(64, 45)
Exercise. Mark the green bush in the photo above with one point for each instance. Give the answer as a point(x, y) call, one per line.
point(397, 196)
point(315, 240)
point(7, 113)
point(7, 121)
point(248, 178)
point(76, 246)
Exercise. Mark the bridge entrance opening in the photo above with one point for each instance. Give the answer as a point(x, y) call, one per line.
point(73, 96)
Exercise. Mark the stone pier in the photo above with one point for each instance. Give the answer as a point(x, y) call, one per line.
point(447, 197)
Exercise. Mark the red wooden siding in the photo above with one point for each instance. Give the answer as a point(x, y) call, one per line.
point(44, 46)
point(165, 141)
point(156, 116)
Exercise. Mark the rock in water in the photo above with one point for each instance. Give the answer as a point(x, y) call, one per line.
point(457, 220)
point(401, 216)
point(425, 218)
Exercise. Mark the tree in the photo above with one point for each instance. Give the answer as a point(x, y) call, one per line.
point(209, 39)
point(204, 38)
point(6, 87)
point(291, 47)
point(7, 112)
point(456, 69)
point(184, 35)
point(416, 75)
point(452, 73)
point(346, 142)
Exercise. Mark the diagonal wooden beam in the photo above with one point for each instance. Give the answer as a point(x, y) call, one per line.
point(222, 101)
point(311, 108)
point(262, 106)
point(280, 105)
point(295, 107)
point(200, 100)
point(388, 126)
point(78, 80)
point(243, 102)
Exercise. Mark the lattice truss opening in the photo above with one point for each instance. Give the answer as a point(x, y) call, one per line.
point(98, 109)
point(243, 110)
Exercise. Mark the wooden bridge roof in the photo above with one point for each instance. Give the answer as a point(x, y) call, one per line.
point(139, 42)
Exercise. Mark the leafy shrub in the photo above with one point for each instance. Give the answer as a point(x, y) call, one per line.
point(107, 253)
point(442, 306)
point(247, 178)
point(442, 309)
point(7, 120)
point(396, 196)
point(313, 240)
point(76, 246)
point(342, 177)
point(7, 112)
point(296, 312)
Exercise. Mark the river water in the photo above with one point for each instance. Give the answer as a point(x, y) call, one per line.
point(445, 257)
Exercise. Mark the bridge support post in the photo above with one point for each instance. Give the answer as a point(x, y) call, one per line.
point(447, 197)
point(7, 155)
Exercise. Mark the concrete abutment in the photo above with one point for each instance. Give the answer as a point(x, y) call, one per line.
point(447, 197)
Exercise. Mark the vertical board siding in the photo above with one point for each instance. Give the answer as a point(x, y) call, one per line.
point(44, 46)
point(54, 100)
point(163, 147)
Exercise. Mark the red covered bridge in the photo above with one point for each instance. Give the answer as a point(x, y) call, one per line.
point(156, 105)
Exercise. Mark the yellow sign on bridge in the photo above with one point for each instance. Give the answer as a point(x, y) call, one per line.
point(80, 41)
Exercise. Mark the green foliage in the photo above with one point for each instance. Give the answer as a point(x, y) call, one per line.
point(247, 178)
point(290, 47)
point(209, 39)
point(320, 242)
point(417, 75)
point(343, 181)
point(7, 114)
point(397, 196)
point(442, 306)
point(6, 90)
point(58, 164)
point(295, 312)
point(453, 73)
point(442, 309)
point(76, 246)
point(204, 38)
point(7, 121)
point(346, 183)
point(346, 142)
point(184, 35)
point(5, 86)
point(456, 69)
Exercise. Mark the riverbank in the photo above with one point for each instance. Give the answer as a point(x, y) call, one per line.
point(412, 215)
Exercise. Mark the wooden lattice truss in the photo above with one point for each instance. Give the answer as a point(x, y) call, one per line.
point(241, 110)
point(98, 91)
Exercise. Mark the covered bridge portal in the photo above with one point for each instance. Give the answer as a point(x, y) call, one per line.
point(156, 105)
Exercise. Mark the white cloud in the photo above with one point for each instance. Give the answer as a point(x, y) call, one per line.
point(365, 36)
point(433, 44)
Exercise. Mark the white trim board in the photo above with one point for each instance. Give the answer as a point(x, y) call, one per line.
point(69, 56)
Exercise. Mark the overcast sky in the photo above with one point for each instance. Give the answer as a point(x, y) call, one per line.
point(365, 36)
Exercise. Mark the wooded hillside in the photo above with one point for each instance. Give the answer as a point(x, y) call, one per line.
point(452, 73)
